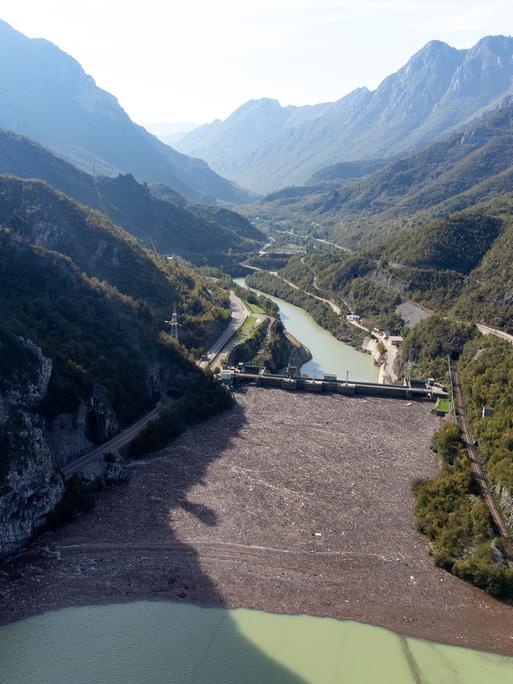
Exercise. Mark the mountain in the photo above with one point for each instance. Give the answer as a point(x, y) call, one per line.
point(84, 348)
point(100, 250)
point(265, 146)
point(468, 167)
point(158, 216)
point(46, 95)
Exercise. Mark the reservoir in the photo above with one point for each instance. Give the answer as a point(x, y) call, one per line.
point(329, 355)
point(176, 643)
point(167, 643)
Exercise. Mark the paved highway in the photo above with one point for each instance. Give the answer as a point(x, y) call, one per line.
point(239, 314)
point(117, 442)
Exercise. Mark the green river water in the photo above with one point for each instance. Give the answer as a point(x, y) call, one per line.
point(167, 643)
point(329, 355)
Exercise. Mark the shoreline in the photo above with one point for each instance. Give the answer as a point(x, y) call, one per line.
point(177, 532)
point(405, 633)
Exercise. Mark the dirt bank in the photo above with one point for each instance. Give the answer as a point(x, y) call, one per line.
point(288, 503)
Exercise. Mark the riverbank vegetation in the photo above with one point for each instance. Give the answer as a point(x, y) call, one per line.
point(455, 519)
point(256, 303)
point(322, 313)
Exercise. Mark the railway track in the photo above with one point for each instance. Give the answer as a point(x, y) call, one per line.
point(477, 471)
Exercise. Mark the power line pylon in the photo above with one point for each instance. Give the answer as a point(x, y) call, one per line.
point(174, 324)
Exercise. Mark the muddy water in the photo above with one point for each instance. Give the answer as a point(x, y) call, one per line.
point(329, 355)
point(166, 643)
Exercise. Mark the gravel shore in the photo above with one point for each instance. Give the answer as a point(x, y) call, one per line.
point(289, 503)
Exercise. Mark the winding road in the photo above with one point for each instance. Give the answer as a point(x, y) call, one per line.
point(239, 314)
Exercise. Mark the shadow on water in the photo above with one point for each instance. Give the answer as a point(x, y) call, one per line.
point(127, 549)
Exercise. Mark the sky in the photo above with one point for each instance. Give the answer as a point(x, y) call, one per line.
point(197, 60)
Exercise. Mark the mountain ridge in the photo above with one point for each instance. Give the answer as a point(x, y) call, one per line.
point(438, 89)
point(47, 96)
point(467, 167)
point(158, 216)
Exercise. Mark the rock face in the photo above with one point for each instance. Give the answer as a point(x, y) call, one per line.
point(33, 449)
point(505, 502)
point(264, 146)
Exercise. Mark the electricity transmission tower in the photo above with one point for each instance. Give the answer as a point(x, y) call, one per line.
point(173, 324)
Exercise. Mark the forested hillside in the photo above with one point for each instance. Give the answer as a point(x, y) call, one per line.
point(84, 343)
point(459, 265)
point(103, 251)
point(158, 216)
point(466, 168)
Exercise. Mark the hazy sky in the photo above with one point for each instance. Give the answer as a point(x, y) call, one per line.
point(168, 60)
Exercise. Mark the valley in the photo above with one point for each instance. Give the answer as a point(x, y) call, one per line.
point(255, 387)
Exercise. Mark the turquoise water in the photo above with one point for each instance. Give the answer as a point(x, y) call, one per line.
point(166, 643)
point(329, 355)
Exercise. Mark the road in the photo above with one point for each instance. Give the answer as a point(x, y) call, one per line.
point(475, 465)
point(266, 246)
point(335, 308)
point(486, 330)
point(239, 314)
point(117, 442)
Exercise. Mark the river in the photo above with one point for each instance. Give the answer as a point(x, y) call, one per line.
point(169, 643)
point(329, 355)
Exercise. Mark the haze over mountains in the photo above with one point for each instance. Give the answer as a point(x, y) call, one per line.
point(264, 146)
point(465, 168)
point(169, 133)
point(46, 95)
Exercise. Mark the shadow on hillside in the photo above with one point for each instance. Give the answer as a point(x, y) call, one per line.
point(127, 549)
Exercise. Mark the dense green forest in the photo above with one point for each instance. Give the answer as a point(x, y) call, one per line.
point(456, 243)
point(103, 251)
point(428, 345)
point(92, 332)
